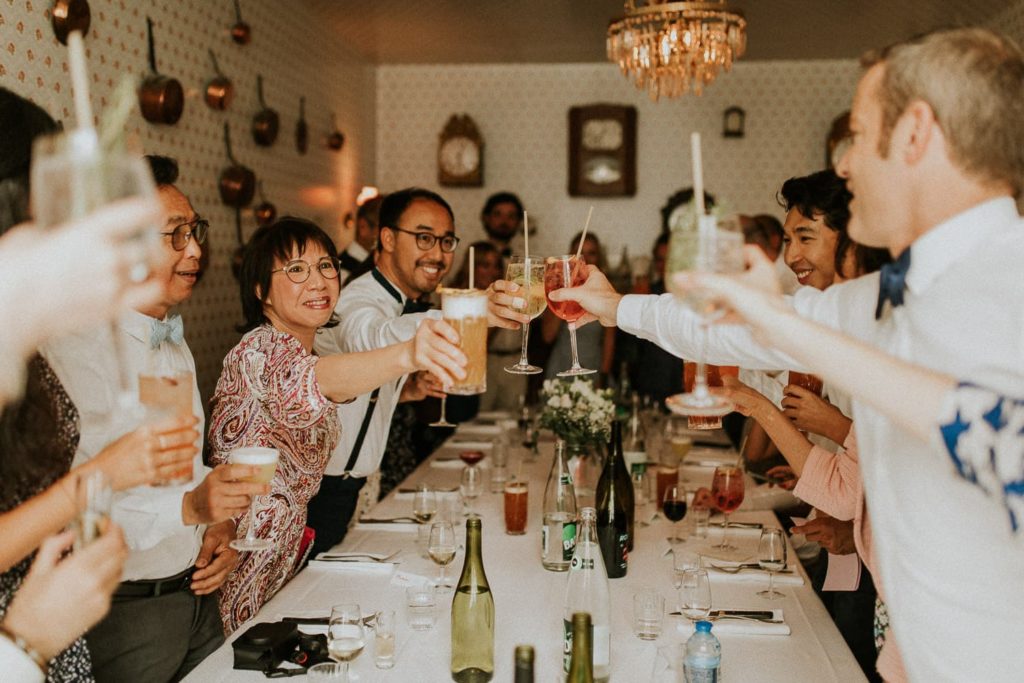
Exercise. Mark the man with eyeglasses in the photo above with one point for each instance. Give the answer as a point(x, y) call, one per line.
point(416, 247)
point(164, 618)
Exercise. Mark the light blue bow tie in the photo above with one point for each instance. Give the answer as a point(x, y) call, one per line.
point(159, 331)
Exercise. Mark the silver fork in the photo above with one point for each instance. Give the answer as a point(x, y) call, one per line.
point(736, 569)
point(342, 557)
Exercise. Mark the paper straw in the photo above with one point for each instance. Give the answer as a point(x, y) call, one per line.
point(79, 80)
point(471, 268)
point(526, 236)
point(583, 235)
point(698, 172)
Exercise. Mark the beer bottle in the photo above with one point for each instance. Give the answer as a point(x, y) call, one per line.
point(581, 668)
point(615, 508)
point(588, 592)
point(558, 535)
point(473, 615)
point(524, 664)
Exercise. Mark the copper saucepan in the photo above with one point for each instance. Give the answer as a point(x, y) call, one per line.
point(161, 98)
point(266, 122)
point(265, 212)
point(237, 183)
point(302, 128)
point(70, 15)
point(241, 33)
point(336, 140)
point(219, 90)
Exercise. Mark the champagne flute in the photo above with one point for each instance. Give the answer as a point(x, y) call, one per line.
point(695, 595)
point(559, 272)
point(424, 504)
point(528, 273)
point(443, 420)
point(699, 244)
point(442, 549)
point(727, 491)
point(771, 557)
point(345, 634)
point(674, 506)
point(471, 486)
point(266, 459)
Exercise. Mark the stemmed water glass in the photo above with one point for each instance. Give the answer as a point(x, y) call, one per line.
point(771, 557)
point(443, 420)
point(699, 244)
point(441, 548)
point(727, 491)
point(528, 273)
point(424, 504)
point(695, 594)
point(471, 486)
point(560, 272)
point(266, 459)
point(346, 635)
point(674, 507)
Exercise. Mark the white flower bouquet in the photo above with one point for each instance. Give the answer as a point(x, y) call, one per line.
point(577, 412)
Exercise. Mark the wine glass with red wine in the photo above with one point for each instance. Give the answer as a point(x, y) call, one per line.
point(471, 458)
point(727, 492)
point(674, 507)
point(559, 272)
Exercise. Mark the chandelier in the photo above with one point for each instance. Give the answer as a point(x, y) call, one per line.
point(669, 47)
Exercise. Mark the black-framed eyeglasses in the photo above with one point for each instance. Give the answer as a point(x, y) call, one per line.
point(298, 270)
point(426, 240)
point(181, 234)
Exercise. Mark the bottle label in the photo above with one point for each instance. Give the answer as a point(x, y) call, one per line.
point(578, 562)
point(565, 479)
point(600, 639)
point(569, 542)
point(566, 644)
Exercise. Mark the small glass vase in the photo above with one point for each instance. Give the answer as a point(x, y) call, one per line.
point(586, 463)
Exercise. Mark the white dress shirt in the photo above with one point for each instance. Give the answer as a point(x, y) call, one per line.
point(86, 363)
point(371, 318)
point(952, 569)
point(17, 666)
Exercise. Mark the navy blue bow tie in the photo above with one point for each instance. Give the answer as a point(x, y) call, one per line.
point(414, 306)
point(159, 331)
point(892, 282)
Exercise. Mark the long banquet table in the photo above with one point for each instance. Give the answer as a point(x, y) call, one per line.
point(529, 600)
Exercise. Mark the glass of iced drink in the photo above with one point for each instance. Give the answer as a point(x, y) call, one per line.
point(466, 311)
point(168, 393)
point(266, 460)
point(516, 493)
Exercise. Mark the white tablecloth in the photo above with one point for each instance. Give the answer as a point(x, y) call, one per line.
point(529, 602)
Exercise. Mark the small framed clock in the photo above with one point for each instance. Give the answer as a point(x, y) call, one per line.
point(602, 151)
point(460, 153)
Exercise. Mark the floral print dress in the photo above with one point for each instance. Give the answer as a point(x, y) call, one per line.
point(268, 396)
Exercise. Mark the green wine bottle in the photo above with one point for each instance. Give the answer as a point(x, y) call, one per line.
point(581, 667)
point(524, 664)
point(473, 615)
point(615, 508)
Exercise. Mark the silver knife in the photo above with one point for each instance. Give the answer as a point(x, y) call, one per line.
point(388, 520)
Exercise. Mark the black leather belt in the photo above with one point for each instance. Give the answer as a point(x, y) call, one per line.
point(156, 587)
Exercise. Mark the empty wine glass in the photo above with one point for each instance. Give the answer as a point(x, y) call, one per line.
point(424, 504)
point(682, 562)
point(674, 506)
point(471, 486)
point(560, 272)
point(528, 273)
point(727, 491)
point(700, 244)
point(771, 557)
point(266, 459)
point(346, 635)
point(443, 420)
point(442, 549)
point(695, 595)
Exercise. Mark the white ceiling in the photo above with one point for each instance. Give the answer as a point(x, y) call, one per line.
point(557, 31)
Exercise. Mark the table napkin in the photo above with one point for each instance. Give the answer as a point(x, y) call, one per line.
point(465, 444)
point(751, 576)
point(477, 429)
point(407, 527)
point(447, 464)
point(360, 567)
point(493, 415)
point(741, 626)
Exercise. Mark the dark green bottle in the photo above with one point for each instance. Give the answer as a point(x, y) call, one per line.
point(473, 615)
point(581, 667)
point(615, 508)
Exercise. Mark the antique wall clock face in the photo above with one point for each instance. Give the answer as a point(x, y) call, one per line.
point(460, 154)
point(602, 151)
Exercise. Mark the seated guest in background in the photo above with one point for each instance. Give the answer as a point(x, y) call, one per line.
point(934, 166)
point(596, 347)
point(275, 392)
point(502, 217)
point(358, 255)
point(164, 620)
point(765, 231)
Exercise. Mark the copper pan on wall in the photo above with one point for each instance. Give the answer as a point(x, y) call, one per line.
point(70, 15)
point(266, 122)
point(241, 32)
point(161, 98)
point(219, 90)
point(236, 183)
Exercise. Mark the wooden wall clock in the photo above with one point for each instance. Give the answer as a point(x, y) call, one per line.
point(460, 153)
point(602, 151)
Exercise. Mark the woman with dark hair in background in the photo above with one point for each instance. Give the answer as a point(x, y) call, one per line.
point(274, 392)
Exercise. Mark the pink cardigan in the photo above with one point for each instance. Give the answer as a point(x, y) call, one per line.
point(832, 483)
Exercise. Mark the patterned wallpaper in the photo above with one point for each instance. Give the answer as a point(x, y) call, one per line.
point(295, 56)
point(522, 111)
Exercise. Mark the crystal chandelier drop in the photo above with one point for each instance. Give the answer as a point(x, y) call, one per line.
point(669, 47)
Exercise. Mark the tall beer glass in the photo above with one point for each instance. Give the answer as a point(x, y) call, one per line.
point(466, 311)
point(266, 459)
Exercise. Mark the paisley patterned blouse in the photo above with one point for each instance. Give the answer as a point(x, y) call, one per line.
point(984, 434)
point(268, 395)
